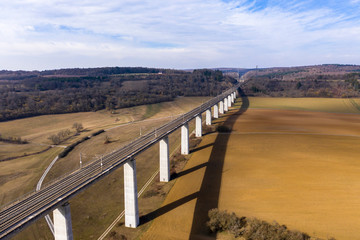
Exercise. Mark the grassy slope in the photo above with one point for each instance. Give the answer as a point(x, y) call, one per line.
point(279, 165)
point(21, 175)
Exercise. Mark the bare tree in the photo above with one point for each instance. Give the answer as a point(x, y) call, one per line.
point(78, 127)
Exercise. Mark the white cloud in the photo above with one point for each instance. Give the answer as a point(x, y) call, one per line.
point(175, 34)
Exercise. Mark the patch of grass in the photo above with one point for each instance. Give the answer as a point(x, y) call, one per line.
point(13, 151)
point(152, 109)
point(20, 176)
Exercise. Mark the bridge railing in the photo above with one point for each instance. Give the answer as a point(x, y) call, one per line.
point(69, 185)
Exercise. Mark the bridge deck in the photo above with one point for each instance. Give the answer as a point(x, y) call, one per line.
point(23, 212)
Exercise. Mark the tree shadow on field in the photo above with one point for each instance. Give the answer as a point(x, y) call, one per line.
point(208, 197)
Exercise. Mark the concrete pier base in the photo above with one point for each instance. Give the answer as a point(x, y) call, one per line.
point(130, 194)
point(221, 107)
point(216, 111)
point(198, 126)
point(185, 139)
point(164, 160)
point(208, 117)
point(62, 223)
point(226, 105)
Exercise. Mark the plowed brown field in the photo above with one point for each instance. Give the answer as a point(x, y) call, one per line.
point(298, 168)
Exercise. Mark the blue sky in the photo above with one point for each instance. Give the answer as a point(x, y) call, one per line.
point(49, 34)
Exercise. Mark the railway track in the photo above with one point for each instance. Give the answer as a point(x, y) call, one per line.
point(21, 213)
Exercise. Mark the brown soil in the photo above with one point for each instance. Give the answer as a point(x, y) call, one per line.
point(298, 168)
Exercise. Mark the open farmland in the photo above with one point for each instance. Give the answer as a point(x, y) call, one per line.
point(299, 168)
point(20, 175)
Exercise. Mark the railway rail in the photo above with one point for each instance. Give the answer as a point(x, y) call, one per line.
point(21, 213)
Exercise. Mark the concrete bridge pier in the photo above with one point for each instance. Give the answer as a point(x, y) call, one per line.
point(185, 139)
point(216, 111)
point(164, 160)
point(226, 104)
point(62, 222)
point(130, 194)
point(208, 117)
point(235, 95)
point(221, 107)
point(232, 98)
point(198, 125)
point(229, 101)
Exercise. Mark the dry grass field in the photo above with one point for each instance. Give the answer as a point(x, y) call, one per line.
point(38, 129)
point(299, 168)
point(333, 105)
point(20, 176)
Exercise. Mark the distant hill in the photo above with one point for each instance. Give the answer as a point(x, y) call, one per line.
point(232, 72)
point(31, 93)
point(330, 80)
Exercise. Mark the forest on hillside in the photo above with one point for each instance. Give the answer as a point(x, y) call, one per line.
point(331, 80)
point(25, 94)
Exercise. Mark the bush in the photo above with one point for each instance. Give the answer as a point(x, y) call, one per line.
point(78, 127)
point(250, 228)
point(15, 140)
point(258, 229)
point(60, 136)
point(223, 221)
point(55, 139)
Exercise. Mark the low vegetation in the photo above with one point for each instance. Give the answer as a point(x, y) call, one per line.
point(251, 228)
point(78, 127)
point(72, 146)
point(60, 136)
point(65, 134)
point(14, 140)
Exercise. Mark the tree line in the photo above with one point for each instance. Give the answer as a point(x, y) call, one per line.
point(344, 86)
point(26, 94)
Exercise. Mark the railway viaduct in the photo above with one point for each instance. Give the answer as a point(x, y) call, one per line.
point(55, 197)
